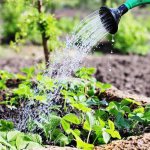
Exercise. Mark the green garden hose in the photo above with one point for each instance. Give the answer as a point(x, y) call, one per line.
point(133, 3)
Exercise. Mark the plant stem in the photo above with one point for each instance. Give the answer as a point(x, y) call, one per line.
point(89, 136)
point(44, 38)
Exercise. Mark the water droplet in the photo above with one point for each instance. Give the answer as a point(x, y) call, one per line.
point(112, 40)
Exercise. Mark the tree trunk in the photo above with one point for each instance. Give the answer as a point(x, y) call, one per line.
point(104, 2)
point(44, 38)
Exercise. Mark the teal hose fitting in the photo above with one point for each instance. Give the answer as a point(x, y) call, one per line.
point(134, 3)
point(110, 17)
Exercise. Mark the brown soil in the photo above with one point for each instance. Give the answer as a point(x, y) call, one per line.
point(15, 64)
point(114, 94)
point(132, 143)
point(128, 73)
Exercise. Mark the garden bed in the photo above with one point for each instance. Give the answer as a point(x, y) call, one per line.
point(130, 73)
point(110, 99)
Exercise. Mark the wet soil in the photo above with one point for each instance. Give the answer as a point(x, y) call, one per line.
point(15, 64)
point(129, 73)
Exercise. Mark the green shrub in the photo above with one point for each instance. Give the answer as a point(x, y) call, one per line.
point(132, 36)
point(10, 13)
point(147, 23)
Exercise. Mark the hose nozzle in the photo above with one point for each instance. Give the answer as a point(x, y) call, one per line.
point(110, 17)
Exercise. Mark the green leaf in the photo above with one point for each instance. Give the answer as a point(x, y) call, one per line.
point(65, 125)
point(6, 125)
point(62, 140)
point(90, 119)
point(139, 110)
point(80, 143)
point(111, 125)
point(78, 132)
point(103, 87)
point(113, 108)
point(112, 105)
point(85, 73)
point(102, 123)
point(122, 122)
point(33, 138)
point(81, 107)
point(128, 101)
point(33, 145)
point(147, 115)
point(126, 109)
point(28, 71)
point(106, 137)
point(101, 114)
point(4, 142)
point(2, 85)
point(83, 145)
point(82, 98)
point(41, 98)
point(12, 135)
point(2, 147)
point(114, 134)
point(86, 126)
point(3, 134)
point(20, 142)
point(137, 118)
point(72, 118)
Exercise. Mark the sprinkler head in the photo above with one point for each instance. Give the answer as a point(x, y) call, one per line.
point(110, 17)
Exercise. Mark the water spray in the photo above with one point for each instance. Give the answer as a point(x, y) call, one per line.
point(110, 17)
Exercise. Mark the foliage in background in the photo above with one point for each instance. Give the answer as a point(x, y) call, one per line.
point(10, 14)
point(34, 23)
point(132, 36)
point(15, 19)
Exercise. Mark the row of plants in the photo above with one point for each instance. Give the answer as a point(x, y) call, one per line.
point(80, 117)
point(132, 37)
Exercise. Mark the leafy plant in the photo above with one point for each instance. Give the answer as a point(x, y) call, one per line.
point(80, 115)
point(29, 72)
point(132, 37)
point(16, 140)
point(10, 17)
point(4, 76)
point(51, 128)
point(6, 125)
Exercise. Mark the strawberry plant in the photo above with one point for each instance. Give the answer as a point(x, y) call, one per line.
point(16, 140)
